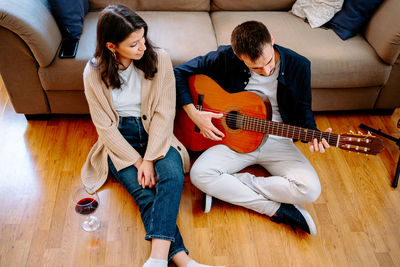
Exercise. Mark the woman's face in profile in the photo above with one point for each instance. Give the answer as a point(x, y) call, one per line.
point(132, 47)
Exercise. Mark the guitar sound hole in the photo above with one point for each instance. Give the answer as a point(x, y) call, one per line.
point(232, 120)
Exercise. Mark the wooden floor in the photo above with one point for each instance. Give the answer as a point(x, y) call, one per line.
point(357, 214)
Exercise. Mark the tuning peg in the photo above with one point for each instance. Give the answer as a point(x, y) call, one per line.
point(369, 133)
point(360, 133)
point(351, 132)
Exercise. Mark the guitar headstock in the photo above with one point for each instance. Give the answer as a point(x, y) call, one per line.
point(361, 143)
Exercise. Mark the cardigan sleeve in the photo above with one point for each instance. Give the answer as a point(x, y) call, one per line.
point(120, 151)
point(162, 121)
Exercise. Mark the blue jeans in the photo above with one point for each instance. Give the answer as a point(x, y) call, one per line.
point(158, 206)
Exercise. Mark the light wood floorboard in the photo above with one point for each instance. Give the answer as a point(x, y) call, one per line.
point(357, 214)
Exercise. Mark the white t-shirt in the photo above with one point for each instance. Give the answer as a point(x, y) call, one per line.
point(266, 86)
point(127, 99)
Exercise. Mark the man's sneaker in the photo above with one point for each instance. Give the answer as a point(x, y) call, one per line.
point(207, 203)
point(296, 217)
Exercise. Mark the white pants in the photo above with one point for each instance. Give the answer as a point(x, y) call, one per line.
point(293, 178)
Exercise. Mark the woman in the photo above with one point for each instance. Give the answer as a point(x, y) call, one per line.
point(130, 88)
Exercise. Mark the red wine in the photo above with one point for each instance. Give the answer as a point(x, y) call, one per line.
point(86, 206)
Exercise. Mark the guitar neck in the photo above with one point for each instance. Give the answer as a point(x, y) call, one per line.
point(285, 130)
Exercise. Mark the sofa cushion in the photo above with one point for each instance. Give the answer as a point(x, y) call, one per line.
point(340, 64)
point(69, 16)
point(166, 5)
point(183, 35)
point(253, 5)
point(353, 17)
point(317, 12)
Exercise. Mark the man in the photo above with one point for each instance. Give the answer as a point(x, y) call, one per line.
point(254, 63)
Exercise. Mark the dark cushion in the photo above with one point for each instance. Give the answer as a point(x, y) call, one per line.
point(354, 15)
point(69, 16)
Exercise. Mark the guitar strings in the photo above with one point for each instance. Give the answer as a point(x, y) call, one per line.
point(261, 124)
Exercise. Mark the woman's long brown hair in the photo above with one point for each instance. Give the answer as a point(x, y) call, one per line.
point(115, 24)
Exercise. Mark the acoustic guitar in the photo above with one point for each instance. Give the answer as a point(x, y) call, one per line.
point(246, 118)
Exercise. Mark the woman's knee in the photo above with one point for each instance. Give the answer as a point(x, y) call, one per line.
point(169, 169)
point(173, 174)
point(173, 180)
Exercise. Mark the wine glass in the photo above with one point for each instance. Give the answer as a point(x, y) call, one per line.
point(85, 205)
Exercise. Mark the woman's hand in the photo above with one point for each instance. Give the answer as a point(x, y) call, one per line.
point(138, 163)
point(146, 174)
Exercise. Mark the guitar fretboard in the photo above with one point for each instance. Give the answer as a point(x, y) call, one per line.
point(285, 130)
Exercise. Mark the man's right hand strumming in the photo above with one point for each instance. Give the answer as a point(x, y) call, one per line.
point(202, 119)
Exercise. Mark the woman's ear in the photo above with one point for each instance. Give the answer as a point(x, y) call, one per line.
point(110, 46)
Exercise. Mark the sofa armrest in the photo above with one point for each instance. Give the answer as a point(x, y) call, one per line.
point(32, 21)
point(389, 96)
point(383, 31)
point(19, 70)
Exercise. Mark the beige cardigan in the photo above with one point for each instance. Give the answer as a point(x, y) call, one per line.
point(157, 111)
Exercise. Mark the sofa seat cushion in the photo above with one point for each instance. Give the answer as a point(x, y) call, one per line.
point(334, 63)
point(183, 35)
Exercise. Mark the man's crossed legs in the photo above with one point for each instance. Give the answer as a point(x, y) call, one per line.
point(293, 181)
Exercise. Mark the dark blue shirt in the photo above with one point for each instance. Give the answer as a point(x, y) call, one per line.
point(224, 67)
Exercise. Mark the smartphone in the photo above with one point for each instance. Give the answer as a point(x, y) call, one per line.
point(68, 48)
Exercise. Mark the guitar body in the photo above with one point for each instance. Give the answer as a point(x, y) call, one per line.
point(217, 100)
point(246, 118)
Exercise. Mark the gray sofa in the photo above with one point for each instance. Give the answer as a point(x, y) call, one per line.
point(362, 72)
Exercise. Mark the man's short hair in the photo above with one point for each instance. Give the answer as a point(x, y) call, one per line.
point(249, 39)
